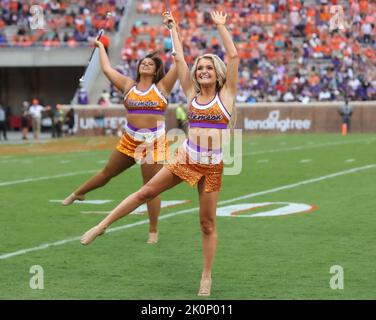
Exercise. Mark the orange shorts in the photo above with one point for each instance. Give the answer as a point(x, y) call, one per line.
point(191, 172)
point(148, 150)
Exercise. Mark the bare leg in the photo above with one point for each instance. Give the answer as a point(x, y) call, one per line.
point(162, 181)
point(208, 206)
point(117, 163)
point(154, 206)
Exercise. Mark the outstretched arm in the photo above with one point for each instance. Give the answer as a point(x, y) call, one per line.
point(120, 81)
point(219, 18)
point(181, 65)
point(168, 81)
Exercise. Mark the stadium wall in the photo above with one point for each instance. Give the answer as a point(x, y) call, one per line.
point(44, 57)
point(51, 85)
point(273, 118)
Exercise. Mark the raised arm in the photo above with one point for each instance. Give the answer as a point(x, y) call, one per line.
point(120, 81)
point(168, 81)
point(181, 65)
point(219, 18)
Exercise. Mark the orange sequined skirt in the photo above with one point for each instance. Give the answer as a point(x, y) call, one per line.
point(144, 146)
point(192, 172)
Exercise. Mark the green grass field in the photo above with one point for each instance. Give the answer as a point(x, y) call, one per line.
point(280, 257)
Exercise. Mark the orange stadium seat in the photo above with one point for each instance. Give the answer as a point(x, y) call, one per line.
point(263, 32)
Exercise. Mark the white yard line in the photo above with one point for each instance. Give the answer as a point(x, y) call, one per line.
point(173, 214)
point(9, 183)
point(90, 153)
point(311, 146)
point(301, 183)
point(74, 154)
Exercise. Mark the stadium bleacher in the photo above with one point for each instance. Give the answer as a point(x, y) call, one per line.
point(67, 23)
point(288, 52)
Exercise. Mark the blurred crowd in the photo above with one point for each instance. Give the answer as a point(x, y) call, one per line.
point(289, 49)
point(66, 23)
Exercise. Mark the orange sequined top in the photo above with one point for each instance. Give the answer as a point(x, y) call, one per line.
point(150, 101)
point(211, 115)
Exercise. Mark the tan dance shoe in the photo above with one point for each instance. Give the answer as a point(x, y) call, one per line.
point(72, 198)
point(205, 287)
point(90, 235)
point(153, 237)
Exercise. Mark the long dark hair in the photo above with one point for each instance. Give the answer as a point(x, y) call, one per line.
point(159, 67)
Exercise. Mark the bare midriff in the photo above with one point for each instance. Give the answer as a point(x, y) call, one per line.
point(207, 138)
point(145, 121)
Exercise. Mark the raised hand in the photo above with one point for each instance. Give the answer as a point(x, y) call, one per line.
point(97, 43)
point(168, 19)
point(218, 17)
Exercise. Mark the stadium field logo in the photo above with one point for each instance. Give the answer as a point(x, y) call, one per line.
point(284, 208)
point(274, 123)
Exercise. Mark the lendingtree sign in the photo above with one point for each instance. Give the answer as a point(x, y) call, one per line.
point(275, 122)
point(260, 117)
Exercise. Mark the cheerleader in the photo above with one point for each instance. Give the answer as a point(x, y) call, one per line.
point(210, 89)
point(144, 139)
